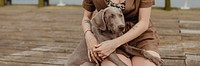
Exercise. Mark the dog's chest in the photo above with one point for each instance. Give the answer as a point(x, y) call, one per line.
point(103, 36)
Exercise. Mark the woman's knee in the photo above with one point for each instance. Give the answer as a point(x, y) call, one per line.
point(139, 61)
point(121, 57)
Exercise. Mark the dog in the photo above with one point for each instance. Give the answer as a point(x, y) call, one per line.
point(108, 24)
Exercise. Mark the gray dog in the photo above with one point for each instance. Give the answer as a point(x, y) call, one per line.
point(108, 24)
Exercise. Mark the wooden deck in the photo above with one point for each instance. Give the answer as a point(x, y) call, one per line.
point(30, 36)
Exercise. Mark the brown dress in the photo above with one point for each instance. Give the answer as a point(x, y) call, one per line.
point(149, 39)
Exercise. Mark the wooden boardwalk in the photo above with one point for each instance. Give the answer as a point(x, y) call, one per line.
point(46, 36)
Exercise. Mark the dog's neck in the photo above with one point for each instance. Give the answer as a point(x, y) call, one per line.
point(107, 33)
point(103, 35)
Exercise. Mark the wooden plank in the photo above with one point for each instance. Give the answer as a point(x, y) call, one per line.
point(190, 26)
point(34, 38)
point(40, 54)
point(173, 62)
point(170, 38)
point(172, 51)
point(53, 49)
point(23, 59)
point(5, 52)
point(191, 47)
point(193, 60)
point(20, 43)
point(7, 63)
point(192, 15)
point(167, 25)
point(189, 22)
point(190, 31)
point(190, 37)
point(168, 32)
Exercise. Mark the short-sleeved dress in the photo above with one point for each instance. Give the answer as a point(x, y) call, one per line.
point(149, 40)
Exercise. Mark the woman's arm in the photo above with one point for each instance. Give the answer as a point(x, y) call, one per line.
point(86, 16)
point(91, 41)
point(138, 29)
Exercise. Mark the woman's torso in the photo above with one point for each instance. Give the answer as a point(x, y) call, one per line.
point(130, 9)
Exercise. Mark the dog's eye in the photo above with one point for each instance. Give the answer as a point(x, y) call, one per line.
point(112, 16)
point(120, 15)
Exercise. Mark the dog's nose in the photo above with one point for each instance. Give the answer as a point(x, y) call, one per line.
point(121, 27)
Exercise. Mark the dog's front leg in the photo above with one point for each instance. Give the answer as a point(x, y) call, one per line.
point(88, 64)
point(140, 52)
point(115, 59)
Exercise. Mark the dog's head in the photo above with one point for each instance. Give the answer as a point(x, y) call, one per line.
point(111, 19)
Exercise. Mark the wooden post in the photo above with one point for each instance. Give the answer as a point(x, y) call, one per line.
point(46, 2)
point(167, 5)
point(2, 3)
point(8, 2)
point(42, 3)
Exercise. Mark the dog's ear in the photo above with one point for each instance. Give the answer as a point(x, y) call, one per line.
point(99, 21)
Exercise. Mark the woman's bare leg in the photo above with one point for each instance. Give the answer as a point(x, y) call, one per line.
point(141, 61)
point(126, 60)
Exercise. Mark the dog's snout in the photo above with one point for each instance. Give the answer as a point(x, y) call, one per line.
point(121, 27)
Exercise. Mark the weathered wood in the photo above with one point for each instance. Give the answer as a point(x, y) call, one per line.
point(169, 32)
point(190, 31)
point(193, 25)
point(173, 62)
point(7, 63)
point(191, 47)
point(192, 60)
point(41, 54)
point(172, 51)
point(38, 60)
point(169, 39)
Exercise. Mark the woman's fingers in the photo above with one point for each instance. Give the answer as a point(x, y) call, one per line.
point(97, 57)
point(93, 57)
point(98, 45)
point(89, 56)
point(97, 50)
point(104, 57)
point(100, 55)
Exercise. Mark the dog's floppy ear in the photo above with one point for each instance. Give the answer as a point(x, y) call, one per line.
point(99, 21)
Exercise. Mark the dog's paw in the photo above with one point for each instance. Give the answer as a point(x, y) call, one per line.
point(156, 60)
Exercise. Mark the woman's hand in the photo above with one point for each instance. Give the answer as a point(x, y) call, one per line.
point(91, 42)
point(105, 48)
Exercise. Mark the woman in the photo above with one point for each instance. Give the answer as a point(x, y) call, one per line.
point(139, 31)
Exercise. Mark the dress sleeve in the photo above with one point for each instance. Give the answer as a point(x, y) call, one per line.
point(146, 3)
point(88, 5)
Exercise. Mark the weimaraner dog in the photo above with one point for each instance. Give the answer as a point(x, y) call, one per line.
point(108, 24)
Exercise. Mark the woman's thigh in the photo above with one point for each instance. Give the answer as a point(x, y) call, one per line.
point(141, 61)
point(126, 60)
